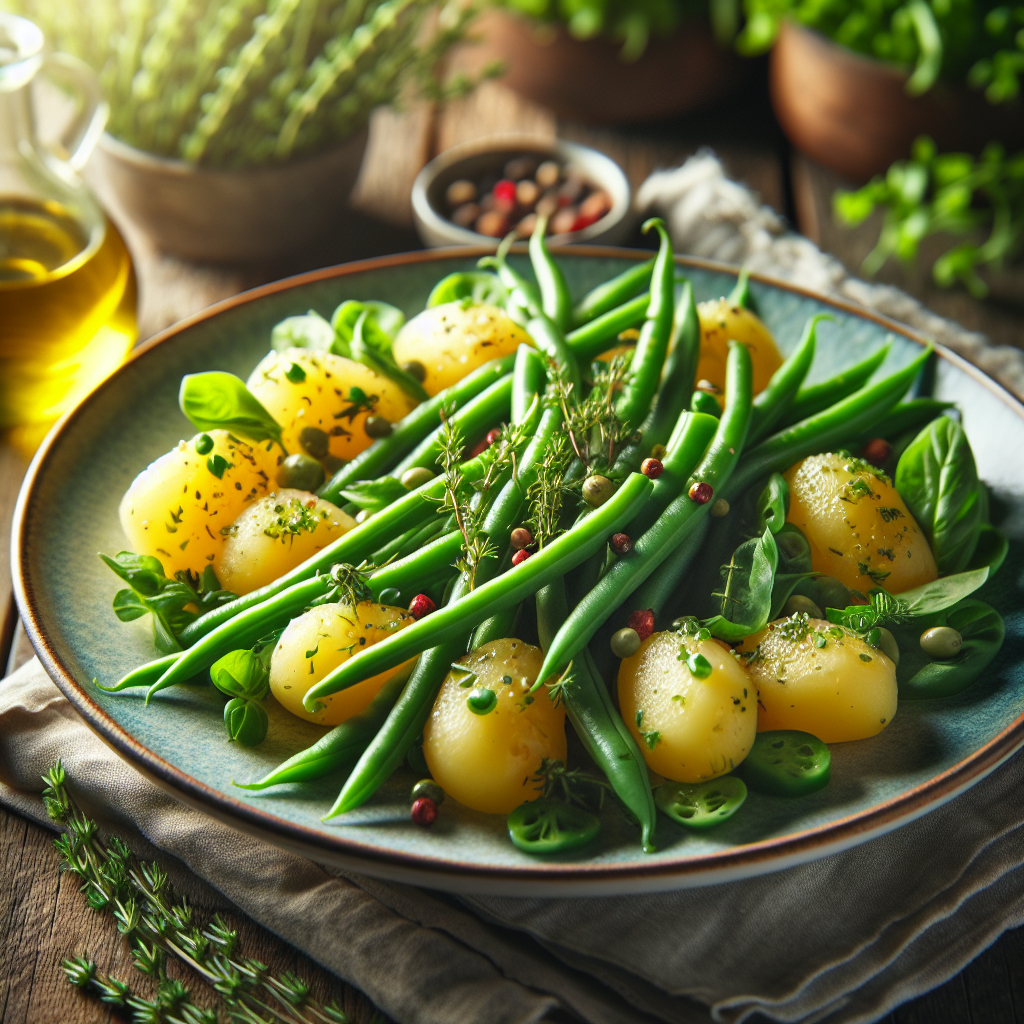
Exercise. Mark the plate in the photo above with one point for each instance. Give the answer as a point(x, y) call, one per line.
point(67, 512)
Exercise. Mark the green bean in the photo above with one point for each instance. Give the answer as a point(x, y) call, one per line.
point(771, 404)
point(740, 295)
point(671, 527)
point(601, 334)
point(527, 381)
point(550, 340)
point(560, 556)
point(341, 746)
point(524, 300)
point(497, 627)
point(556, 302)
point(664, 583)
point(906, 416)
point(410, 541)
point(846, 419)
point(612, 293)
point(144, 675)
point(408, 432)
point(652, 345)
point(815, 398)
point(488, 409)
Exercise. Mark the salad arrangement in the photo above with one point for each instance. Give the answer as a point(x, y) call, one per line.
point(442, 538)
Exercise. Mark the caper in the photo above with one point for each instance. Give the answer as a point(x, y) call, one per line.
point(204, 444)
point(798, 603)
point(415, 369)
point(416, 477)
point(427, 788)
point(941, 642)
point(597, 490)
point(720, 509)
point(391, 596)
point(625, 643)
point(831, 593)
point(314, 441)
point(377, 426)
point(888, 646)
point(481, 700)
point(302, 472)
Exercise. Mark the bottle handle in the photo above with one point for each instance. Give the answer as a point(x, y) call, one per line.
point(80, 137)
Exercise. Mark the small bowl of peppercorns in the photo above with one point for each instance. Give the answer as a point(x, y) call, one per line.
point(478, 192)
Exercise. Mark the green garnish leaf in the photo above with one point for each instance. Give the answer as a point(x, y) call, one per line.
point(220, 401)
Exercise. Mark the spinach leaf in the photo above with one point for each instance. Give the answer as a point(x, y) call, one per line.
point(374, 494)
point(220, 401)
point(745, 601)
point(773, 504)
point(170, 601)
point(920, 678)
point(309, 331)
point(937, 478)
point(990, 551)
point(473, 288)
point(917, 603)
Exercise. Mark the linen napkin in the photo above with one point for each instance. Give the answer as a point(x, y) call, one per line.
point(840, 940)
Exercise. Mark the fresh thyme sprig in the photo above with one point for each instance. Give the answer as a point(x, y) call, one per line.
point(161, 924)
point(573, 786)
point(545, 497)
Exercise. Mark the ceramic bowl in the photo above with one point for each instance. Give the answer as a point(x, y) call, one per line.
point(67, 512)
point(473, 159)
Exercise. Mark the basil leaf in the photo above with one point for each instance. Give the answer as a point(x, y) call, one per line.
point(773, 504)
point(309, 331)
point(241, 674)
point(920, 678)
point(782, 588)
point(746, 596)
point(220, 401)
point(128, 606)
point(474, 287)
point(374, 494)
point(794, 550)
point(991, 550)
point(360, 336)
point(937, 478)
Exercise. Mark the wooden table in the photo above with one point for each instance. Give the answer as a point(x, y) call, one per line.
point(42, 916)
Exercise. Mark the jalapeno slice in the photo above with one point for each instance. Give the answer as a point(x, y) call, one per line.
point(701, 805)
point(786, 762)
point(547, 826)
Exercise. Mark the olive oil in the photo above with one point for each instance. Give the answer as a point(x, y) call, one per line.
point(67, 312)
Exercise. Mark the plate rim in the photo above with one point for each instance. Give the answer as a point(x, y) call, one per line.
point(737, 862)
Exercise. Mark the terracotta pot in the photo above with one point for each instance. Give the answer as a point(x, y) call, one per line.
point(852, 113)
point(232, 216)
point(586, 80)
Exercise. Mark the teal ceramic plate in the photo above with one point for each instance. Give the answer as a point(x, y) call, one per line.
point(68, 512)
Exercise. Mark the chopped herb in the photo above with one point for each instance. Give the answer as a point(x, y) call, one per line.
point(294, 516)
point(875, 575)
point(295, 373)
point(217, 464)
point(865, 657)
point(651, 737)
point(889, 514)
point(887, 553)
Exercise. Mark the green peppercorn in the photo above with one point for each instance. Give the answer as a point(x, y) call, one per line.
point(888, 646)
point(427, 788)
point(314, 441)
point(391, 596)
point(246, 721)
point(941, 642)
point(302, 472)
point(625, 643)
point(415, 369)
point(377, 426)
point(204, 444)
point(798, 603)
point(720, 509)
point(481, 700)
point(597, 490)
point(705, 403)
point(416, 477)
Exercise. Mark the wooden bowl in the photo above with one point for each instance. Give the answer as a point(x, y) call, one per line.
point(852, 113)
point(587, 80)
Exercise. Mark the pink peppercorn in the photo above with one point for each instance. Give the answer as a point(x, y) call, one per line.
point(421, 605)
point(520, 556)
point(521, 538)
point(424, 811)
point(652, 468)
point(492, 436)
point(642, 620)
point(700, 492)
point(621, 544)
point(876, 451)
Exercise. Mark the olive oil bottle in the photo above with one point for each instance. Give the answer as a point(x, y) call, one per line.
point(67, 286)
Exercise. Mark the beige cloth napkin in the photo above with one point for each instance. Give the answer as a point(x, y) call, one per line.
point(841, 940)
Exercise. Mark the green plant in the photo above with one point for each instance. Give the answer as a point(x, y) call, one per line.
point(233, 83)
point(947, 193)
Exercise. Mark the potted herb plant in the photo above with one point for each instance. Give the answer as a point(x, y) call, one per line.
point(612, 61)
point(238, 127)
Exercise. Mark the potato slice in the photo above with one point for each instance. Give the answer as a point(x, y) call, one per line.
point(722, 322)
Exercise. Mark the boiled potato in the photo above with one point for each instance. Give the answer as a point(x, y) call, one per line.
point(317, 642)
point(275, 534)
point(688, 728)
point(331, 393)
point(452, 340)
point(820, 678)
point(177, 507)
point(722, 322)
point(857, 525)
point(488, 761)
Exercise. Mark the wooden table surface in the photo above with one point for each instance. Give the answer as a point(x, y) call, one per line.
point(42, 915)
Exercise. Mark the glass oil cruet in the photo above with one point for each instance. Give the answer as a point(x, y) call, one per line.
point(67, 286)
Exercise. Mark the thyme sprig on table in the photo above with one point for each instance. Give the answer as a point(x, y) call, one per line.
point(161, 925)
